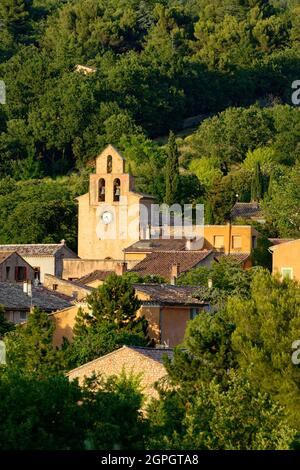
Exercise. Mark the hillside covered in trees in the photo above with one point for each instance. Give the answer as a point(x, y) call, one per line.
point(156, 63)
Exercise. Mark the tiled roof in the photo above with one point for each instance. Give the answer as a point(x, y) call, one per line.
point(96, 275)
point(146, 196)
point(246, 210)
point(156, 354)
point(280, 241)
point(241, 257)
point(290, 243)
point(35, 249)
point(160, 263)
point(4, 255)
point(12, 297)
point(168, 294)
point(148, 246)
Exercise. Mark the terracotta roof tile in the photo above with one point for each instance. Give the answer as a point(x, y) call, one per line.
point(35, 249)
point(280, 241)
point(241, 257)
point(97, 275)
point(246, 210)
point(160, 263)
point(4, 255)
point(12, 297)
point(149, 246)
point(169, 294)
point(156, 354)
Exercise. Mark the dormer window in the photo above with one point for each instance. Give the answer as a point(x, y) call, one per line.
point(109, 164)
point(117, 190)
point(101, 190)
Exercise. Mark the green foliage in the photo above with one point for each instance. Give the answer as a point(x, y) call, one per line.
point(55, 414)
point(257, 188)
point(230, 135)
point(146, 161)
point(261, 256)
point(96, 341)
point(233, 418)
point(157, 62)
point(282, 203)
point(29, 348)
point(227, 277)
point(237, 418)
point(113, 321)
point(172, 172)
point(263, 339)
point(232, 385)
point(5, 326)
point(115, 301)
point(207, 170)
point(135, 278)
point(265, 156)
point(45, 209)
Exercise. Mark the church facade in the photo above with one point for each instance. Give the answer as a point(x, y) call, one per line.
point(112, 215)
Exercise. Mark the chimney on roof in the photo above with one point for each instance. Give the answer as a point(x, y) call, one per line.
point(175, 273)
point(121, 269)
point(63, 241)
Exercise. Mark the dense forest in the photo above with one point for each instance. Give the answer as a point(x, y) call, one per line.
point(230, 386)
point(155, 63)
point(197, 95)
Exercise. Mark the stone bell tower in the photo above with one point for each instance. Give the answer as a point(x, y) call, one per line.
point(112, 214)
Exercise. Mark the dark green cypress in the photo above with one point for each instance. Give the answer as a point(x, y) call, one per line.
point(257, 184)
point(172, 171)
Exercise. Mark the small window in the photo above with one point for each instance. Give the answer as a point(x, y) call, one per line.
point(117, 190)
point(287, 273)
point(109, 164)
point(194, 312)
point(219, 241)
point(37, 273)
point(54, 286)
point(101, 190)
point(254, 242)
point(20, 273)
point(7, 272)
point(236, 242)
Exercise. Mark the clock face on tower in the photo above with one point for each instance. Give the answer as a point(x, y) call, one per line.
point(107, 217)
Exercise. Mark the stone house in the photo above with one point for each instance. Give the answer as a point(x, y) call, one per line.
point(286, 259)
point(147, 363)
point(14, 268)
point(44, 258)
point(17, 304)
point(248, 211)
point(167, 308)
point(74, 289)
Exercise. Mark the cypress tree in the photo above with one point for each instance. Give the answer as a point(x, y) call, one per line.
point(172, 171)
point(257, 189)
point(209, 214)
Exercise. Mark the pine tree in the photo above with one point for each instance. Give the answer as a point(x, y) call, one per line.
point(30, 347)
point(115, 301)
point(14, 15)
point(257, 186)
point(172, 171)
point(209, 214)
